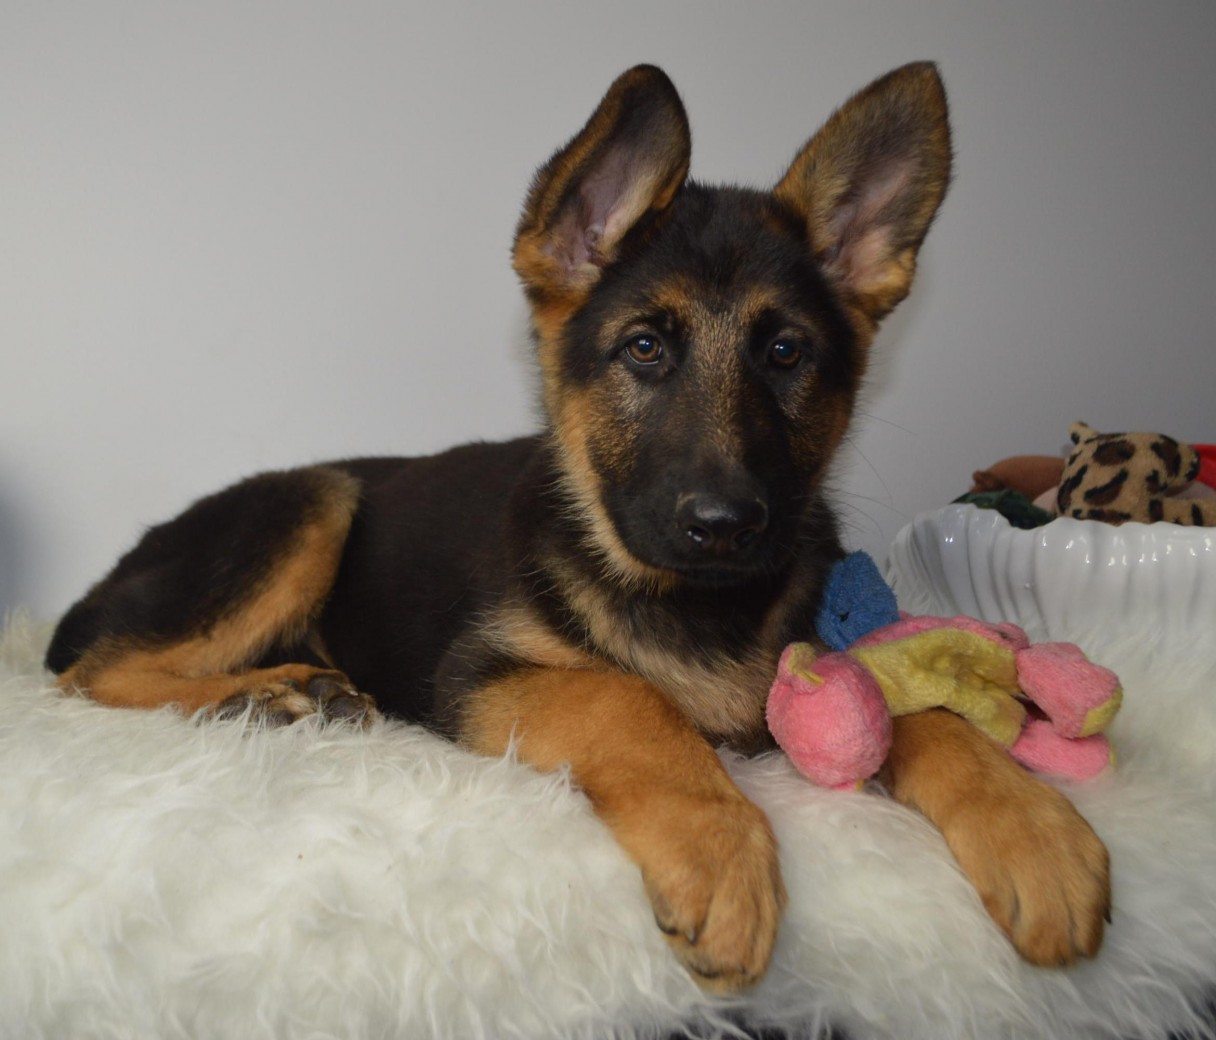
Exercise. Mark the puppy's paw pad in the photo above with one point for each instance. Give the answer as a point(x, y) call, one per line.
point(271, 704)
point(337, 699)
point(280, 698)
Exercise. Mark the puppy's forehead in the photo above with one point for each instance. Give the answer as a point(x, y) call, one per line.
point(727, 235)
point(724, 249)
point(695, 306)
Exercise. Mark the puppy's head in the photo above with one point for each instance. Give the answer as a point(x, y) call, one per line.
point(701, 348)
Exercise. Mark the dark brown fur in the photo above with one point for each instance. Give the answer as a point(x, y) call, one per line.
point(613, 594)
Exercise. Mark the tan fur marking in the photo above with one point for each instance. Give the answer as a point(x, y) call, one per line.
point(1038, 866)
point(723, 698)
point(150, 680)
point(707, 855)
point(519, 631)
point(195, 672)
point(582, 484)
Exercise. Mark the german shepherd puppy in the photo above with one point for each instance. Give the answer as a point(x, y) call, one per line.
point(614, 592)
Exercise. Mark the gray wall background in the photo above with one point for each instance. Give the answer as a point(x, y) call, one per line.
point(245, 235)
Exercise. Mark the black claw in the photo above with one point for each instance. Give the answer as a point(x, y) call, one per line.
point(347, 707)
point(322, 687)
point(338, 700)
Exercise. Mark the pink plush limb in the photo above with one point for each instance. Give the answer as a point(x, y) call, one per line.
point(829, 716)
point(1079, 697)
point(1044, 750)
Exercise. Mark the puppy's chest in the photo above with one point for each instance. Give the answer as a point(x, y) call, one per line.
point(716, 669)
point(723, 697)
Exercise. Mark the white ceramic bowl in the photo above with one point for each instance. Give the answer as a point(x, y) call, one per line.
point(1094, 584)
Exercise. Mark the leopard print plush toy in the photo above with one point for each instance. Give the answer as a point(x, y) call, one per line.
point(1118, 477)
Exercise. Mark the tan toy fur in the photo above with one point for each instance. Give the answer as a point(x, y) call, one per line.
point(1117, 477)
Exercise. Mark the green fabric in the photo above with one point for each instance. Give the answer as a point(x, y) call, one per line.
point(1015, 507)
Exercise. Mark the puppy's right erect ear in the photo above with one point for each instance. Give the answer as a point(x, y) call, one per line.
point(628, 161)
point(869, 183)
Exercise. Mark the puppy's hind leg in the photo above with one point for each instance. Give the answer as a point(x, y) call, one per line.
point(188, 615)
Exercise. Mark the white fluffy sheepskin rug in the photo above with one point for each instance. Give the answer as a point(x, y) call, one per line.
point(163, 878)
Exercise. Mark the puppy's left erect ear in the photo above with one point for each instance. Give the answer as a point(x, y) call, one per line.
point(627, 162)
point(869, 183)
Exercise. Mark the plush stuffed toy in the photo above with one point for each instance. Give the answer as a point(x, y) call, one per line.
point(831, 713)
point(856, 600)
point(1117, 477)
point(1039, 477)
point(1029, 475)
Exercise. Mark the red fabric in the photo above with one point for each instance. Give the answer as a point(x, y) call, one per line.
point(1207, 463)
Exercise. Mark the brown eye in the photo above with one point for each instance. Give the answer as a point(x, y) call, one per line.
point(644, 350)
point(784, 354)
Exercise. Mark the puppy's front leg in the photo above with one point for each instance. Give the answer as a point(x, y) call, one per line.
point(707, 855)
point(1038, 866)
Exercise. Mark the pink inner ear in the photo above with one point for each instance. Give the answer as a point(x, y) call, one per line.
point(859, 246)
point(603, 189)
point(608, 201)
point(568, 243)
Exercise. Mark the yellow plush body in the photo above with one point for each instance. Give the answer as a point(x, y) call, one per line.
point(969, 673)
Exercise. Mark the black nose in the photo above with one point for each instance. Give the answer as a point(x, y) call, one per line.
point(718, 524)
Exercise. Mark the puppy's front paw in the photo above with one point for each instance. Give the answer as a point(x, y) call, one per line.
point(1042, 872)
point(711, 872)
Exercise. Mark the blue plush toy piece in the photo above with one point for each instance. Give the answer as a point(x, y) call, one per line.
point(856, 601)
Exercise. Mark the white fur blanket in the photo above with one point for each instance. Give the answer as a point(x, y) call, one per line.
point(166, 879)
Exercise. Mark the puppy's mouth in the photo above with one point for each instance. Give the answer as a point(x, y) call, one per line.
point(738, 569)
point(708, 547)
